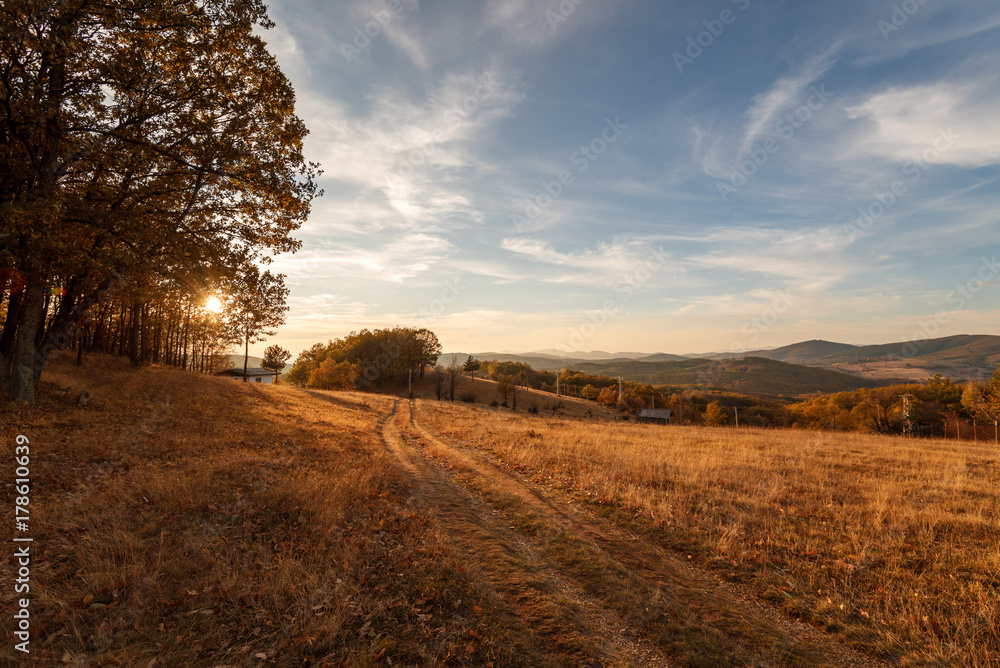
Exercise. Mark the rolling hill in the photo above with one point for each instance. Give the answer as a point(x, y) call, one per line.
point(960, 357)
point(751, 375)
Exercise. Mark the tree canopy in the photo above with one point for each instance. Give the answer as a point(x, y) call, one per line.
point(145, 145)
point(379, 355)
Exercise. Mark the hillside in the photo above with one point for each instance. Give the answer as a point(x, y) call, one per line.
point(540, 361)
point(752, 375)
point(182, 519)
point(967, 349)
point(960, 357)
point(806, 352)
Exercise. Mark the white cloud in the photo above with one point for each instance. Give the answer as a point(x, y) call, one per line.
point(401, 258)
point(600, 264)
point(956, 122)
point(786, 93)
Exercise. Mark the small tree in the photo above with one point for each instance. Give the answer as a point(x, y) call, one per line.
point(716, 415)
point(275, 358)
point(255, 306)
point(471, 365)
point(503, 388)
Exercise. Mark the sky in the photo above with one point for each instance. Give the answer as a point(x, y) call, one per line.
point(521, 175)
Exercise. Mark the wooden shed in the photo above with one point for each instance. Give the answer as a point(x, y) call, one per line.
point(655, 415)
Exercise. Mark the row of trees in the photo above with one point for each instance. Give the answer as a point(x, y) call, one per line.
point(362, 358)
point(905, 408)
point(150, 156)
point(897, 409)
point(164, 323)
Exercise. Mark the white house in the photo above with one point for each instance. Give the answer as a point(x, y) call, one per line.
point(253, 375)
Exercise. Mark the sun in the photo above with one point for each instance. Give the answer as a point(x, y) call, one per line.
point(213, 304)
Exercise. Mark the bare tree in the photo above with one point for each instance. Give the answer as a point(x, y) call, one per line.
point(504, 384)
point(454, 377)
point(439, 381)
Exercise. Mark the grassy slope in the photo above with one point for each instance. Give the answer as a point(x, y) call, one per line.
point(188, 520)
point(889, 541)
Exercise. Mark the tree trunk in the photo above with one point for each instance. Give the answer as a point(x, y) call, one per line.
point(187, 329)
point(23, 380)
point(246, 356)
point(10, 328)
point(134, 353)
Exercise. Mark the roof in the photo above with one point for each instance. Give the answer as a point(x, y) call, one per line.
point(250, 372)
point(655, 413)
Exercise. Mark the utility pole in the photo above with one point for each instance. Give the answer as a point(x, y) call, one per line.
point(558, 373)
point(908, 413)
point(619, 389)
point(736, 412)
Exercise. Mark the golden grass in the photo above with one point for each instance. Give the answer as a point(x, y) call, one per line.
point(184, 520)
point(892, 542)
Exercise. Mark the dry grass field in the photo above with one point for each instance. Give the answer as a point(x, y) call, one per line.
point(891, 543)
point(181, 520)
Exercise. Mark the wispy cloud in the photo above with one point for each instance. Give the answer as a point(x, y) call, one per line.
point(787, 92)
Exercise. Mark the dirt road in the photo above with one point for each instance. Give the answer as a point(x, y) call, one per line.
point(593, 594)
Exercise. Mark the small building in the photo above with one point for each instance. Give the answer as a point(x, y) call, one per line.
point(253, 375)
point(654, 415)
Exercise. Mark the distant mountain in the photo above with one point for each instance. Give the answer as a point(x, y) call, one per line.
point(534, 360)
point(806, 352)
point(973, 349)
point(751, 375)
point(252, 362)
point(959, 357)
point(663, 357)
point(585, 355)
point(543, 360)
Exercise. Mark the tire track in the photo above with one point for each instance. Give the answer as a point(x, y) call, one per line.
point(571, 628)
point(727, 608)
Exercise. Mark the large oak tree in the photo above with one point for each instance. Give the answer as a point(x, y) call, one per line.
point(140, 139)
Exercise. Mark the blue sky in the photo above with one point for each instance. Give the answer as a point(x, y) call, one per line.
point(628, 176)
